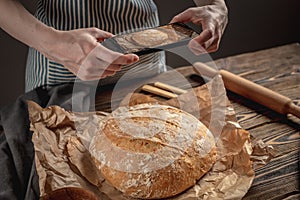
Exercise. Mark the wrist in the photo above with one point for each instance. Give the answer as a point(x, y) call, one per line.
point(46, 37)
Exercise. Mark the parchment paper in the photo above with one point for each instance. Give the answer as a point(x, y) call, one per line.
point(61, 139)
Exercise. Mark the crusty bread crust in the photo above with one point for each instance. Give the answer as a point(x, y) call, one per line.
point(153, 151)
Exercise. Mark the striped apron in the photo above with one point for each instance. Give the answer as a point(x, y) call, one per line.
point(115, 16)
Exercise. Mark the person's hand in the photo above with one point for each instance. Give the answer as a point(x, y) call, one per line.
point(78, 50)
point(82, 54)
point(213, 19)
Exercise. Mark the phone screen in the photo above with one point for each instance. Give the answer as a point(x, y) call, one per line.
point(151, 40)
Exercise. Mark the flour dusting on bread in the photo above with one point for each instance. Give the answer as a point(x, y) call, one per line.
point(153, 151)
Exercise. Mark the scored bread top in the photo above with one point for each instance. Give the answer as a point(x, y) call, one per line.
point(153, 151)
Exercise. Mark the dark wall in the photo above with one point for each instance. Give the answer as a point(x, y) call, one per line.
point(253, 25)
point(12, 63)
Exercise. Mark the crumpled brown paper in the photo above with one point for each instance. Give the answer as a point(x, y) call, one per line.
point(61, 140)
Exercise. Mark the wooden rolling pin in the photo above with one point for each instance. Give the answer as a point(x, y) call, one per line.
point(251, 90)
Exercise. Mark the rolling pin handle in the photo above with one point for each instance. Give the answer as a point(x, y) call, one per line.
point(251, 90)
point(294, 109)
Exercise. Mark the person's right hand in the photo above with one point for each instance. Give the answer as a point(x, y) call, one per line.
point(212, 15)
point(82, 54)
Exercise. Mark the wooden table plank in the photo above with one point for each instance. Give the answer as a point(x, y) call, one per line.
point(277, 69)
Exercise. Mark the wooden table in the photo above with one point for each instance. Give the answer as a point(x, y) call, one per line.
point(277, 69)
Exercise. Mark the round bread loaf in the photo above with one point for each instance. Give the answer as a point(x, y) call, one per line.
point(153, 151)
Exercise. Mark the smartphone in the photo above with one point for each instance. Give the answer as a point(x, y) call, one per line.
point(152, 39)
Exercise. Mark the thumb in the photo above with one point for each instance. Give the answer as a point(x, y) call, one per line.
point(100, 35)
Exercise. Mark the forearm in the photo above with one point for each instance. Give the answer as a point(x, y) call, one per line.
point(19, 23)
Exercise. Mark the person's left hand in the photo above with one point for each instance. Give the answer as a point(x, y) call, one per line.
point(213, 19)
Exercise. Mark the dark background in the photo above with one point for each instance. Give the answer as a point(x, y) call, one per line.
point(253, 25)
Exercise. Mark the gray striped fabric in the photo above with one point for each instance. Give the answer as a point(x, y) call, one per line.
point(115, 16)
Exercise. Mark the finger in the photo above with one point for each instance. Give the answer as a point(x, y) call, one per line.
point(214, 46)
point(213, 43)
point(102, 75)
point(113, 68)
point(203, 37)
point(99, 34)
point(185, 16)
point(96, 76)
point(196, 48)
point(97, 66)
point(197, 45)
point(113, 57)
point(126, 59)
point(210, 46)
point(206, 42)
point(107, 73)
point(93, 68)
